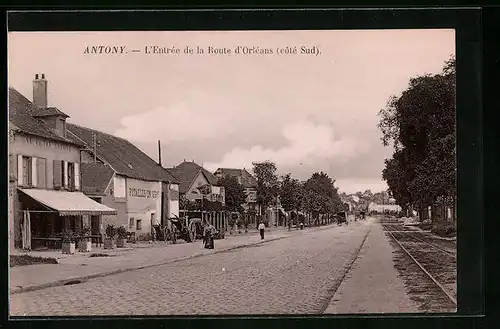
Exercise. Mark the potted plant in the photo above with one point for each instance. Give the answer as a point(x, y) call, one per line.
point(68, 242)
point(85, 244)
point(109, 239)
point(122, 237)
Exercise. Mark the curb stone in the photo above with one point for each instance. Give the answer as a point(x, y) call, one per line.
point(344, 271)
point(83, 279)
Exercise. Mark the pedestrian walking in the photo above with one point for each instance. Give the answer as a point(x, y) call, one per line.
point(261, 230)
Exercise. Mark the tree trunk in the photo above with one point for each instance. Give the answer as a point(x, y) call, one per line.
point(435, 212)
point(444, 208)
point(423, 213)
point(454, 209)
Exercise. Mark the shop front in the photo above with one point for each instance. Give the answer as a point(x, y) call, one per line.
point(47, 214)
point(144, 206)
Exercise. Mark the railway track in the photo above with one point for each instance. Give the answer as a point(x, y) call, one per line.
point(428, 269)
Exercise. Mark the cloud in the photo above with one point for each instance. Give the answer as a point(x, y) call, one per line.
point(355, 184)
point(306, 143)
point(176, 123)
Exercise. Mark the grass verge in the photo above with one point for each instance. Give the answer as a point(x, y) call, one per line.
point(24, 260)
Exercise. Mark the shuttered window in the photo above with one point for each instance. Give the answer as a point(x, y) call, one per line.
point(70, 175)
point(65, 174)
point(58, 173)
point(77, 176)
point(19, 169)
point(27, 171)
point(41, 172)
point(34, 171)
point(12, 166)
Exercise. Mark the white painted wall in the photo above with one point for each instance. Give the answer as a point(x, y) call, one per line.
point(144, 200)
point(119, 187)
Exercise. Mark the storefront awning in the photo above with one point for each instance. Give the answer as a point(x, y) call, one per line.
point(68, 203)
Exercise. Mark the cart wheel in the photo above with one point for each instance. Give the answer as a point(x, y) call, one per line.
point(173, 236)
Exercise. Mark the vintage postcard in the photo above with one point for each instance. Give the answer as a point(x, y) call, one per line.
point(232, 172)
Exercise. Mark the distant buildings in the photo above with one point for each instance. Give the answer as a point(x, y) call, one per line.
point(381, 208)
point(273, 213)
point(200, 187)
point(196, 182)
point(249, 184)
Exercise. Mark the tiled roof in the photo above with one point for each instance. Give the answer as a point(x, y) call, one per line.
point(95, 178)
point(43, 112)
point(123, 156)
point(247, 180)
point(22, 116)
point(187, 172)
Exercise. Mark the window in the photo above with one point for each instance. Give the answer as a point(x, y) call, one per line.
point(27, 177)
point(11, 165)
point(138, 225)
point(71, 175)
point(131, 224)
point(41, 172)
point(58, 174)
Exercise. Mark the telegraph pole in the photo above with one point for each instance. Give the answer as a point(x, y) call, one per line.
point(94, 140)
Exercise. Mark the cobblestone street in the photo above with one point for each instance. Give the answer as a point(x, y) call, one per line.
point(235, 173)
point(294, 275)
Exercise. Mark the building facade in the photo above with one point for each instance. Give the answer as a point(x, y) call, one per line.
point(249, 184)
point(251, 206)
point(45, 195)
point(119, 175)
point(199, 186)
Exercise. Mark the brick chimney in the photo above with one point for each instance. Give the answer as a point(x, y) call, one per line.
point(40, 91)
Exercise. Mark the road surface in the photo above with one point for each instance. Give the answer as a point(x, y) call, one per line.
point(296, 275)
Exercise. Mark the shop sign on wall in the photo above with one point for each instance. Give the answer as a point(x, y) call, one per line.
point(143, 193)
point(44, 143)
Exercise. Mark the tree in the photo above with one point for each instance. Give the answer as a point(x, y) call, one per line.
point(321, 196)
point(235, 193)
point(267, 182)
point(420, 125)
point(396, 175)
point(290, 193)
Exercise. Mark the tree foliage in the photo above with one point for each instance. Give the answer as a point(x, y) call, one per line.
point(290, 193)
point(267, 182)
point(420, 126)
point(320, 195)
point(235, 193)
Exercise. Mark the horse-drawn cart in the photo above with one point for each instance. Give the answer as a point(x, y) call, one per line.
point(186, 229)
point(342, 218)
point(188, 232)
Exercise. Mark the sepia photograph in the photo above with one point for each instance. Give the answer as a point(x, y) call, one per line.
point(256, 172)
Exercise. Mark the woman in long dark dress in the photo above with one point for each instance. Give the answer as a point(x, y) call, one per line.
point(208, 235)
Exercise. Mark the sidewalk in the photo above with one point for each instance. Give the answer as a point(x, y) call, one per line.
point(82, 267)
point(373, 284)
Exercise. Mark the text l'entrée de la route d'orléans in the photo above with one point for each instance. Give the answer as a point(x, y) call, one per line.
point(200, 50)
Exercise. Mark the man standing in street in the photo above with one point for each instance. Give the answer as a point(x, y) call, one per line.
point(261, 230)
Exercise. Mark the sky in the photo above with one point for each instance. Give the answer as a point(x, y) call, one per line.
point(305, 112)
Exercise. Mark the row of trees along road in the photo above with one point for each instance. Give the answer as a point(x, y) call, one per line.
point(420, 126)
point(317, 197)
